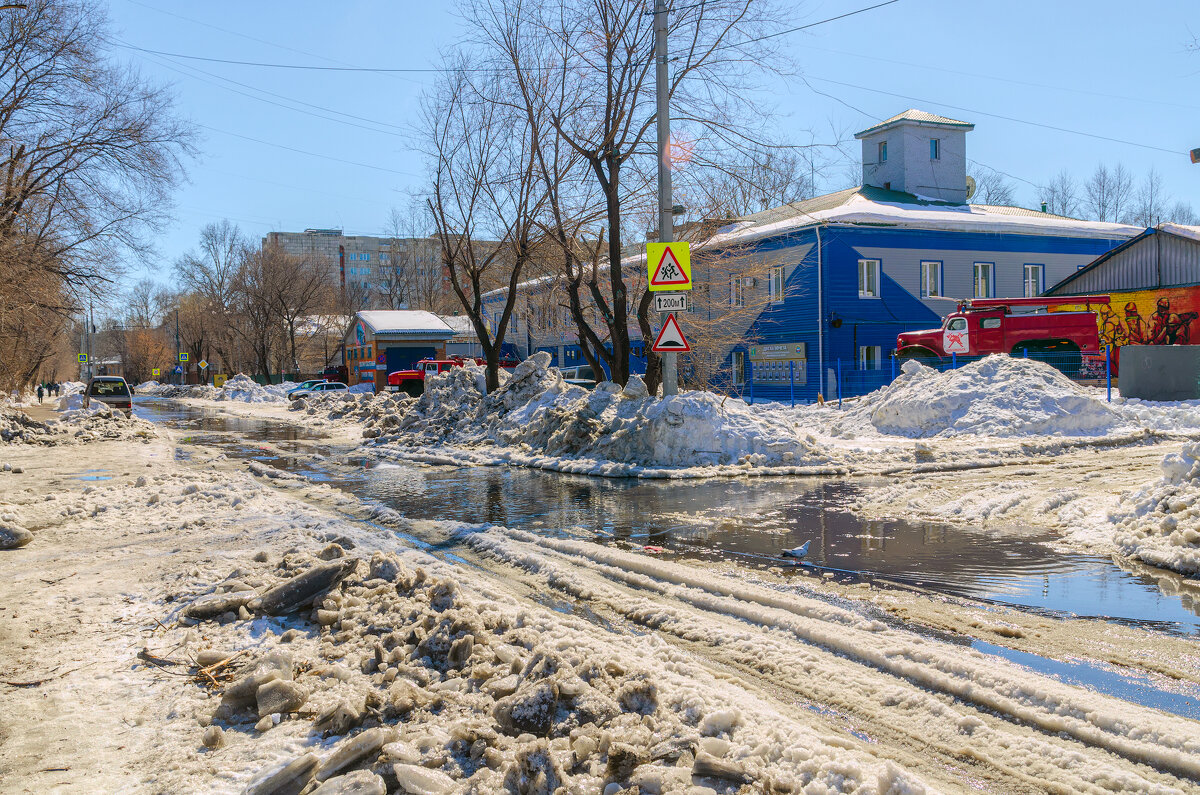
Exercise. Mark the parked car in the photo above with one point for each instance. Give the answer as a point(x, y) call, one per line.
point(319, 388)
point(580, 376)
point(110, 390)
point(309, 384)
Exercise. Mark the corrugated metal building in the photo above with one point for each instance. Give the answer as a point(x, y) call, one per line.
point(1153, 283)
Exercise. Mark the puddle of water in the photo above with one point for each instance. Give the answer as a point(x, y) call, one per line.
point(750, 520)
point(1136, 689)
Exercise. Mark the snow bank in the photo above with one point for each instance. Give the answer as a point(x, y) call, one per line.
point(75, 425)
point(245, 389)
point(999, 396)
point(537, 419)
point(1160, 524)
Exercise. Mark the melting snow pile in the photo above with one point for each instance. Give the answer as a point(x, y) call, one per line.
point(537, 419)
point(1160, 524)
point(997, 396)
point(74, 425)
point(245, 389)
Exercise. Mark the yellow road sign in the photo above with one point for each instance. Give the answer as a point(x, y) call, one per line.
point(219, 380)
point(183, 357)
point(156, 372)
point(83, 358)
point(668, 266)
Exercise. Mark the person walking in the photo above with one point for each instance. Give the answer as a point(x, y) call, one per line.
point(39, 394)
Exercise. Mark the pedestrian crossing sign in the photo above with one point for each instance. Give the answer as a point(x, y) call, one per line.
point(83, 358)
point(183, 357)
point(156, 372)
point(668, 266)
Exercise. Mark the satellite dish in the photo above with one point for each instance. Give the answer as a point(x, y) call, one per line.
point(970, 187)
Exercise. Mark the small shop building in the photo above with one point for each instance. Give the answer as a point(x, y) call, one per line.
point(384, 341)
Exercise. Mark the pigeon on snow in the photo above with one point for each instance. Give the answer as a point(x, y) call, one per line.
point(798, 553)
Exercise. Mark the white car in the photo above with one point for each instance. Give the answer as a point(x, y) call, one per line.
point(320, 388)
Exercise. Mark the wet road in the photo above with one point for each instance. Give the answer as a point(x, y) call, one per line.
point(749, 520)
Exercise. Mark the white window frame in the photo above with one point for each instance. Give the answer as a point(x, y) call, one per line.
point(739, 368)
point(978, 269)
point(870, 266)
point(737, 291)
point(1040, 286)
point(870, 357)
point(938, 290)
point(777, 285)
point(935, 148)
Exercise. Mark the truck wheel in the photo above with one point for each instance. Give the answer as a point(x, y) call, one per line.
point(413, 388)
point(924, 357)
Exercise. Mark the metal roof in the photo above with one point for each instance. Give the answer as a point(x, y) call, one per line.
point(405, 322)
point(919, 116)
point(1172, 259)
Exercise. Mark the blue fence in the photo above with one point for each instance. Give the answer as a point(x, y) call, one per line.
point(795, 383)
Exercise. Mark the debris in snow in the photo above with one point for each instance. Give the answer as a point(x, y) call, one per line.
point(290, 779)
point(360, 782)
point(1160, 524)
point(78, 426)
point(295, 592)
point(13, 536)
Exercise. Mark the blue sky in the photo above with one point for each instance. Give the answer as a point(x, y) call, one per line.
point(1112, 70)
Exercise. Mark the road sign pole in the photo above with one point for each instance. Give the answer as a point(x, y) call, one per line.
point(666, 232)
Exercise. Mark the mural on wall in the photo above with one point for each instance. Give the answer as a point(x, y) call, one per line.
point(1166, 316)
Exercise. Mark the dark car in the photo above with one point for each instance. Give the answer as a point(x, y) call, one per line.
point(579, 376)
point(110, 390)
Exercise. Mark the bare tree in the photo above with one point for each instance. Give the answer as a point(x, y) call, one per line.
point(585, 67)
point(210, 276)
point(1183, 213)
point(485, 187)
point(992, 188)
point(753, 179)
point(255, 291)
point(1107, 193)
point(299, 286)
point(414, 277)
point(1061, 195)
point(1149, 205)
point(91, 150)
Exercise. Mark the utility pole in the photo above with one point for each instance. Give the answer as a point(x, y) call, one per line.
point(177, 345)
point(666, 231)
point(91, 329)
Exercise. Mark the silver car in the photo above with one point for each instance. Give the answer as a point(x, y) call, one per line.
point(110, 390)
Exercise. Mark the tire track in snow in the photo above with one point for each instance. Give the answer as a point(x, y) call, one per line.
point(970, 680)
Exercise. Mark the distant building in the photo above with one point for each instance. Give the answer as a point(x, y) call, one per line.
point(382, 271)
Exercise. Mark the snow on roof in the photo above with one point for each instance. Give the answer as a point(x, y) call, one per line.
point(409, 322)
point(869, 206)
point(1190, 232)
point(921, 116)
point(459, 324)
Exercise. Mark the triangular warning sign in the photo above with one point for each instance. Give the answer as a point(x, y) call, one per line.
point(671, 339)
point(669, 272)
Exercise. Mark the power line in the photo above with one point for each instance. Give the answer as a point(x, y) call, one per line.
point(448, 70)
point(310, 154)
point(282, 97)
point(997, 115)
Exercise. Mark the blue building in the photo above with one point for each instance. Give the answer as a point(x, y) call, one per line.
point(836, 278)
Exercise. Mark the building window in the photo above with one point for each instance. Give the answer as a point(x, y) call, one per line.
point(985, 279)
point(366, 271)
point(737, 291)
point(869, 357)
point(935, 148)
point(739, 368)
point(868, 278)
point(1035, 280)
point(931, 279)
point(883, 151)
point(366, 257)
point(776, 285)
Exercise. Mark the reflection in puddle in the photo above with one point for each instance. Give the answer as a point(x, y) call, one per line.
point(1127, 686)
point(750, 520)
